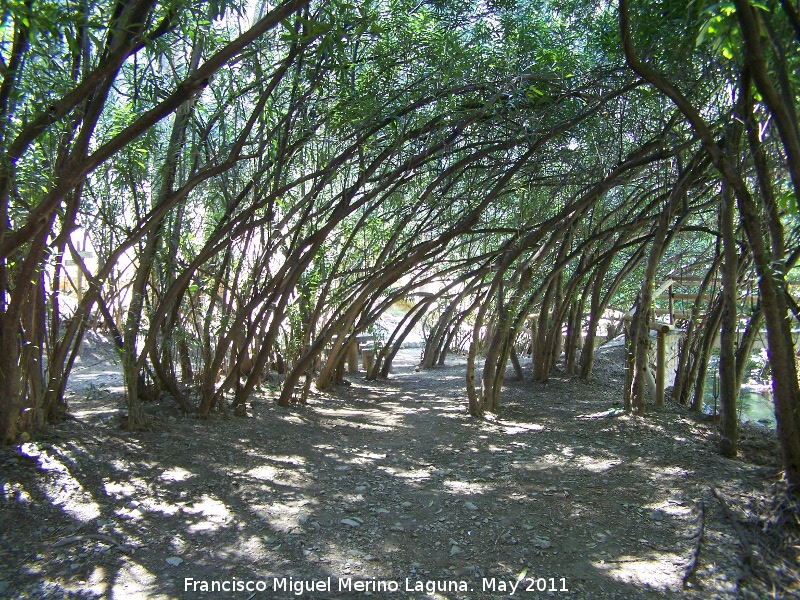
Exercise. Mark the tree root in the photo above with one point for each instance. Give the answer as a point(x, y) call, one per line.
point(698, 535)
point(748, 558)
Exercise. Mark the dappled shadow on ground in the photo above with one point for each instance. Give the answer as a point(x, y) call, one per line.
point(379, 482)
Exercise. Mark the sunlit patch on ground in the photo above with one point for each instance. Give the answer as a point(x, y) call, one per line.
point(293, 459)
point(413, 474)
point(370, 456)
point(134, 581)
point(286, 515)
point(282, 476)
point(293, 419)
point(96, 581)
point(600, 415)
point(213, 514)
point(514, 428)
point(119, 489)
point(64, 490)
point(464, 487)
point(547, 460)
point(120, 465)
point(596, 465)
point(15, 492)
point(675, 471)
point(669, 507)
point(661, 573)
point(265, 473)
point(161, 507)
point(174, 474)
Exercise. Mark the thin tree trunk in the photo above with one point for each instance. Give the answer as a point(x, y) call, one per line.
point(700, 367)
point(729, 390)
point(396, 340)
point(746, 344)
point(540, 343)
point(147, 255)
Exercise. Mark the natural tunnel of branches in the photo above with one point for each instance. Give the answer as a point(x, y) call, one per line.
point(237, 191)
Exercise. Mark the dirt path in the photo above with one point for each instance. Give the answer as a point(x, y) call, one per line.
point(387, 483)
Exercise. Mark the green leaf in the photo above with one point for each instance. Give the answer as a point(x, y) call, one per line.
point(787, 202)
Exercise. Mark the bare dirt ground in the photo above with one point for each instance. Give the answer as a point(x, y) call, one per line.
point(384, 484)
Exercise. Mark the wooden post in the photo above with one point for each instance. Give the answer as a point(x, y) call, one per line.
point(662, 329)
point(79, 291)
point(661, 367)
point(367, 358)
point(671, 305)
point(352, 357)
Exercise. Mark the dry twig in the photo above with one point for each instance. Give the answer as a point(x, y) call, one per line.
point(88, 536)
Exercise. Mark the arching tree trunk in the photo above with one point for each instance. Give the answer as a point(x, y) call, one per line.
point(538, 357)
point(447, 342)
point(439, 332)
point(574, 332)
point(745, 348)
point(495, 364)
point(555, 335)
point(147, 255)
point(595, 313)
point(707, 340)
point(502, 344)
point(640, 325)
point(685, 373)
point(395, 342)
